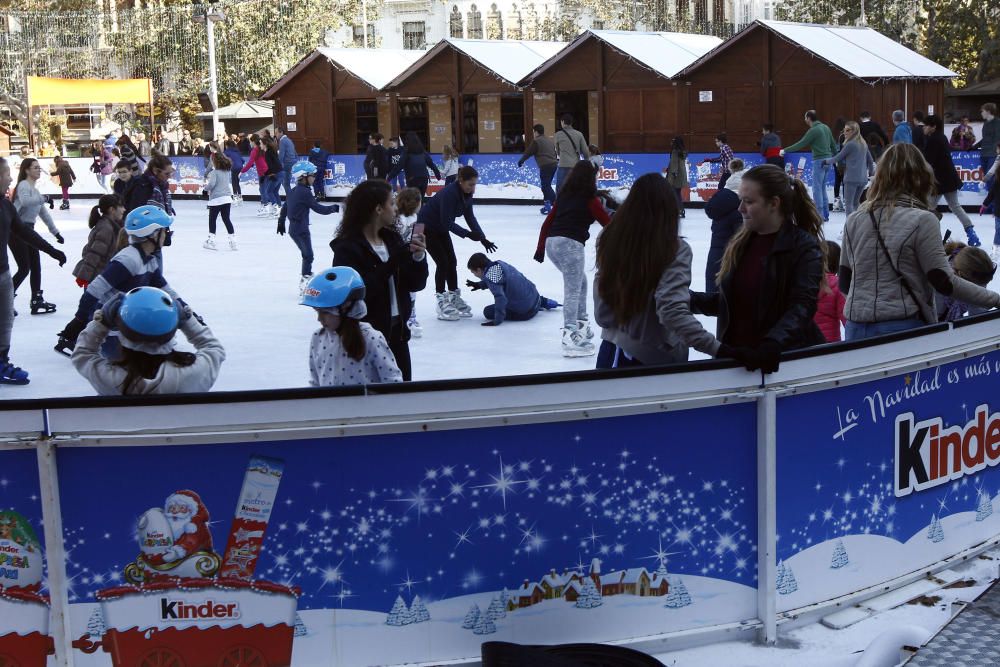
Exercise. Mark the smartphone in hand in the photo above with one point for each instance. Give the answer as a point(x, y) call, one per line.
point(417, 233)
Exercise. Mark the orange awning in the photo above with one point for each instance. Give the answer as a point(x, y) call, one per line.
point(48, 91)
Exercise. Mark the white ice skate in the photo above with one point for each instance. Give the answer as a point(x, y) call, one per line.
point(209, 243)
point(996, 253)
point(232, 242)
point(303, 282)
point(415, 329)
point(583, 326)
point(574, 342)
point(445, 308)
point(275, 209)
point(263, 211)
point(460, 305)
point(838, 205)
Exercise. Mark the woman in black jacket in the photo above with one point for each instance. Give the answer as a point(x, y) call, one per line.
point(368, 241)
point(723, 209)
point(937, 152)
point(414, 163)
point(771, 272)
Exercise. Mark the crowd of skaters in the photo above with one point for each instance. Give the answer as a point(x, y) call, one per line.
point(773, 282)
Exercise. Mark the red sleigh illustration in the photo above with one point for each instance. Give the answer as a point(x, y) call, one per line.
point(26, 621)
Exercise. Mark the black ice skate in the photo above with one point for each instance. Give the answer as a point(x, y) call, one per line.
point(40, 306)
point(65, 345)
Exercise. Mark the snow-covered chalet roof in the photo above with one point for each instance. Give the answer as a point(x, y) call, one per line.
point(509, 59)
point(859, 52)
point(633, 574)
point(665, 53)
point(612, 577)
point(376, 67)
point(526, 590)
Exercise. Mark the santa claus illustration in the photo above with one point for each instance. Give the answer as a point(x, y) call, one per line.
point(187, 517)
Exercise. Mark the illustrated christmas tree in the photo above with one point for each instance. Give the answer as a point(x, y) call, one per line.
point(418, 611)
point(300, 627)
point(985, 507)
point(589, 597)
point(839, 558)
point(484, 626)
point(786, 582)
point(504, 598)
point(399, 614)
point(471, 618)
point(935, 533)
point(678, 595)
point(95, 626)
point(496, 609)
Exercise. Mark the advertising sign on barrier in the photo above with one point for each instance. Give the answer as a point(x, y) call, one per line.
point(883, 478)
point(384, 549)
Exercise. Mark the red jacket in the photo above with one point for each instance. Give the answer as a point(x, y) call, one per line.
point(830, 310)
point(256, 159)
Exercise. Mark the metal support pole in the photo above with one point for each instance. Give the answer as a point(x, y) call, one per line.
point(364, 23)
point(213, 89)
point(766, 516)
point(59, 624)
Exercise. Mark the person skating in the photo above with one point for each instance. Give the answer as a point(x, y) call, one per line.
point(219, 186)
point(408, 203)
point(376, 158)
point(11, 227)
point(571, 147)
point(64, 173)
point(820, 141)
point(414, 162)
point(102, 243)
point(725, 157)
point(237, 161)
point(31, 205)
point(368, 241)
point(438, 216)
point(123, 176)
point(515, 298)
point(296, 209)
point(318, 156)
point(147, 320)
point(937, 152)
point(543, 149)
point(137, 265)
point(287, 158)
point(344, 350)
point(152, 188)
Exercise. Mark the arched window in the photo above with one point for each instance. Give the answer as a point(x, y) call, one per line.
point(455, 23)
point(514, 24)
point(475, 23)
point(494, 23)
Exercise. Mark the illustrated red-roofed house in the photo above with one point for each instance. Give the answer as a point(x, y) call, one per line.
point(530, 593)
point(636, 581)
point(554, 584)
point(658, 585)
point(572, 591)
point(612, 583)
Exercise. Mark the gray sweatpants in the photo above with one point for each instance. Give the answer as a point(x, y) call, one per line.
point(568, 257)
point(852, 196)
point(6, 312)
point(952, 199)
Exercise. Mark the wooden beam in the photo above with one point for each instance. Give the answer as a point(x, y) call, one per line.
point(457, 108)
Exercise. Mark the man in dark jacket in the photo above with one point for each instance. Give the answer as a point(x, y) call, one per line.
point(515, 297)
point(937, 152)
point(868, 128)
point(376, 159)
point(318, 156)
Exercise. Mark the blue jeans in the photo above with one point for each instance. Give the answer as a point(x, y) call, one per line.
point(303, 240)
point(820, 172)
point(996, 227)
point(545, 175)
point(610, 355)
point(514, 316)
point(561, 174)
point(285, 176)
point(269, 191)
point(859, 330)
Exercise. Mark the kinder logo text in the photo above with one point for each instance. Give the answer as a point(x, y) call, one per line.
point(607, 174)
point(178, 610)
point(928, 454)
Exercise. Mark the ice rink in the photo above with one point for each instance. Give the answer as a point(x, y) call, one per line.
point(249, 299)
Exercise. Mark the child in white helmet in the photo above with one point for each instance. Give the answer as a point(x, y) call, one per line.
point(296, 208)
point(345, 351)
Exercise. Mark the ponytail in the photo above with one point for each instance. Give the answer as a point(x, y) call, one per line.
point(352, 338)
point(104, 204)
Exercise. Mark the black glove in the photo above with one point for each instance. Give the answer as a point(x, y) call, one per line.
point(281, 227)
point(109, 311)
point(60, 239)
point(489, 245)
point(475, 285)
point(58, 255)
point(48, 200)
point(539, 257)
point(766, 356)
point(475, 236)
point(727, 352)
point(186, 314)
point(72, 330)
point(489, 323)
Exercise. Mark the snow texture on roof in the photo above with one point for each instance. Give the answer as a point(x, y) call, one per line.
point(376, 67)
point(633, 574)
point(861, 52)
point(666, 53)
point(243, 109)
point(511, 59)
point(612, 577)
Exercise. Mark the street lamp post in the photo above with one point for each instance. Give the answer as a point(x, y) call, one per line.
point(210, 16)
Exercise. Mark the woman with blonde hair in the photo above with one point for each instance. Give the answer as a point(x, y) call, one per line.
point(857, 165)
point(893, 261)
point(771, 272)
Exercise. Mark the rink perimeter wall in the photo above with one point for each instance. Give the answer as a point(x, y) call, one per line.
point(501, 179)
point(654, 507)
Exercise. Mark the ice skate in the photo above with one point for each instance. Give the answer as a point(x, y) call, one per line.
point(232, 242)
point(11, 374)
point(209, 243)
point(973, 238)
point(262, 211)
point(546, 208)
point(445, 308)
point(838, 205)
point(574, 344)
point(996, 253)
point(274, 210)
point(414, 326)
point(460, 305)
point(303, 281)
point(39, 306)
point(583, 326)
point(64, 206)
point(64, 346)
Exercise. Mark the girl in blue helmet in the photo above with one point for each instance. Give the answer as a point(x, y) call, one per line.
point(296, 208)
point(136, 265)
point(147, 319)
point(345, 350)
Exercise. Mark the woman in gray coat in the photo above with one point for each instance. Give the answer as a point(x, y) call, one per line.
point(30, 205)
point(219, 189)
point(858, 165)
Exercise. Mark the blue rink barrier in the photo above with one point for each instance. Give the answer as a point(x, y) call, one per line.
point(501, 179)
point(655, 507)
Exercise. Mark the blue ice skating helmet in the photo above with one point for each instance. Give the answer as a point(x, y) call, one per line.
point(333, 287)
point(148, 315)
point(302, 168)
point(143, 221)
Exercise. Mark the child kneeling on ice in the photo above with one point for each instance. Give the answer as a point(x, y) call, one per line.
point(515, 297)
point(296, 209)
point(345, 351)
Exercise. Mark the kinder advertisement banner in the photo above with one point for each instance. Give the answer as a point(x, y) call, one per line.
point(413, 547)
point(885, 477)
point(501, 178)
point(24, 606)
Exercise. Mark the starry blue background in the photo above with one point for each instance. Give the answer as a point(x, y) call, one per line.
point(830, 486)
point(360, 520)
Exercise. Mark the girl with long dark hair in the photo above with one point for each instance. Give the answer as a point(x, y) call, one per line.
point(31, 205)
point(368, 241)
point(677, 172)
point(103, 241)
point(642, 285)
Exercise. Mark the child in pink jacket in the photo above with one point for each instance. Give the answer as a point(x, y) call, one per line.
point(830, 306)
